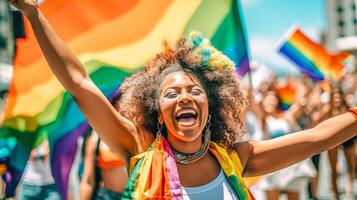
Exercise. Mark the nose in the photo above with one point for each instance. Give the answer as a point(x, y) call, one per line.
point(185, 98)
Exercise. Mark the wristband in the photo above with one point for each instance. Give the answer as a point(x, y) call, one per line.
point(353, 111)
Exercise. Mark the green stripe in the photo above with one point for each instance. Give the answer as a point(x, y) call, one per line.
point(93, 65)
point(52, 113)
point(27, 139)
point(227, 32)
point(132, 183)
point(238, 187)
point(208, 16)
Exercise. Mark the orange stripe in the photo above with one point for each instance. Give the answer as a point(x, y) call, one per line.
point(71, 18)
point(131, 29)
point(50, 6)
point(314, 51)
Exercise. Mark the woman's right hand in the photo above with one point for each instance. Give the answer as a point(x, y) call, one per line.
point(25, 6)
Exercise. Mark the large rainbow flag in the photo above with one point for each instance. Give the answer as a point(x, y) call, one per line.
point(310, 57)
point(113, 39)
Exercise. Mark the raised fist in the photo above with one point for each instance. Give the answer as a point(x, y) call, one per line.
point(25, 6)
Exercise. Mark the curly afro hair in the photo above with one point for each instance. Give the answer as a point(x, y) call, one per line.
point(196, 56)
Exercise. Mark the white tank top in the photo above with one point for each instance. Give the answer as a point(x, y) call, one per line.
point(278, 126)
point(218, 189)
point(38, 170)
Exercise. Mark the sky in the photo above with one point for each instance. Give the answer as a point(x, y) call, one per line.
point(267, 21)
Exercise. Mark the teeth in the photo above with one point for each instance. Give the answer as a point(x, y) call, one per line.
point(186, 114)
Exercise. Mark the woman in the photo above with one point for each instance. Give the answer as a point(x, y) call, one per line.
point(189, 101)
point(317, 110)
point(338, 106)
point(277, 123)
point(104, 174)
point(38, 182)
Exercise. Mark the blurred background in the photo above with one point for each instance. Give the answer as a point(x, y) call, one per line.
point(284, 93)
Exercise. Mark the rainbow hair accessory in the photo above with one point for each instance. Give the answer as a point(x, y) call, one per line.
point(211, 58)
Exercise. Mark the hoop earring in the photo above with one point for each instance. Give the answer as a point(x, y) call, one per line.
point(159, 129)
point(208, 123)
point(207, 134)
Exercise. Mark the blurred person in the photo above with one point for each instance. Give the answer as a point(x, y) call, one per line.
point(252, 114)
point(105, 173)
point(317, 110)
point(181, 135)
point(277, 123)
point(338, 106)
point(37, 180)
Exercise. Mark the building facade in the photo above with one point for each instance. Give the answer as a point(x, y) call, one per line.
point(342, 25)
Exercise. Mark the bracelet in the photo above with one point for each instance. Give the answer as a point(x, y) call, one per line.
point(353, 111)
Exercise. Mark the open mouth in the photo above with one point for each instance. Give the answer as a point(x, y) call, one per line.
point(186, 117)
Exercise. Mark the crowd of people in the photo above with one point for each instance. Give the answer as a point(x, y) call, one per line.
point(177, 128)
point(314, 102)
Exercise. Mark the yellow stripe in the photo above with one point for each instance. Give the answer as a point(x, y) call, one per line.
point(130, 56)
point(170, 28)
point(314, 52)
point(35, 101)
point(230, 164)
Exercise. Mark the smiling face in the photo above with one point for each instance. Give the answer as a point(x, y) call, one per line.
point(183, 106)
point(337, 98)
point(270, 102)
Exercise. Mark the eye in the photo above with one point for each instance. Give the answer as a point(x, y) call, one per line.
point(196, 92)
point(171, 94)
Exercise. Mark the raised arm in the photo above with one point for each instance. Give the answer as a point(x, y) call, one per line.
point(114, 129)
point(262, 157)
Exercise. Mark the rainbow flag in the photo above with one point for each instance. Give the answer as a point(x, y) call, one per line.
point(113, 39)
point(154, 173)
point(286, 94)
point(310, 57)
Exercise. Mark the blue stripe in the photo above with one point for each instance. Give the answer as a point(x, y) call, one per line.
point(304, 64)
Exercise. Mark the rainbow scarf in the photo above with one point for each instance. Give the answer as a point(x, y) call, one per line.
point(154, 173)
point(112, 39)
point(310, 57)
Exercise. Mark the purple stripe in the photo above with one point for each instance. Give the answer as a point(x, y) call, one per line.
point(243, 66)
point(62, 158)
point(17, 163)
point(304, 64)
point(174, 180)
point(114, 95)
point(12, 180)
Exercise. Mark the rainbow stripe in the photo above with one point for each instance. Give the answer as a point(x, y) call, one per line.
point(112, 39)
point(286, 94)
point(153, 174)
point(233, 170)
point(310, 57)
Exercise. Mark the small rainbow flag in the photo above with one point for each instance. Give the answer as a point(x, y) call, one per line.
point(287, 94)
point(310, 57)
point(113, 39)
